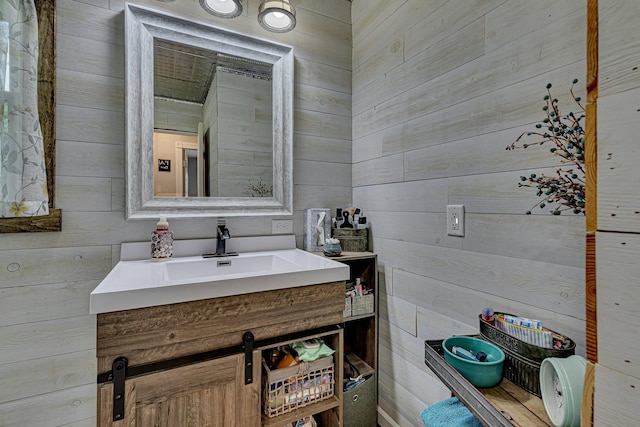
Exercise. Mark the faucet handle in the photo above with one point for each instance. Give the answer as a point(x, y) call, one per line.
point(223, 231)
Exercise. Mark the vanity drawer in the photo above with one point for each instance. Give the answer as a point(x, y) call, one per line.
point(161, 333)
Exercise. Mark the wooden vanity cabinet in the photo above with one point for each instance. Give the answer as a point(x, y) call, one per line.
point(186, 362)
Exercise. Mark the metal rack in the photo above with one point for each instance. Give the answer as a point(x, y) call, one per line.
point(503, 405)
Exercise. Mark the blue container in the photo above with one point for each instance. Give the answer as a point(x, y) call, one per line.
point(480, 374)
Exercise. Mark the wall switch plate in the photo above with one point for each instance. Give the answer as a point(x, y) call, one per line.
point(281, 226)
point(455, 220)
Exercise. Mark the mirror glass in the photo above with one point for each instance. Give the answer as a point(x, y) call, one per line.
point(209, 120)
point(229, 98)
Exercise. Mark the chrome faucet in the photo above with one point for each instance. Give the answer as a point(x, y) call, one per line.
point(223, 236)
point(221, 242)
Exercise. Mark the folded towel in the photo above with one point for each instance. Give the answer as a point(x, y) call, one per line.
point(449, 413)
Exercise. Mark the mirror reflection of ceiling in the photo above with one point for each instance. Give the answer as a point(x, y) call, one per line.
point(185, 73)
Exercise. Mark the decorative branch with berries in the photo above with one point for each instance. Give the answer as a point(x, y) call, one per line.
point(260, 189)
point(565, 133)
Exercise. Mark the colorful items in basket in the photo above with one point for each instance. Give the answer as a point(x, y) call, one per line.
point(282, 357)
point(488, 315)
point(311, 350)
point(297, 390)
point(350, 217)
point(522, 359)
point(357, 290)
point(308, 421)
point(480, 356)
point(301, 388)
point(359, 300)
point(352, 376)
point(301, 351)
point(287, 389)
point(528, 330)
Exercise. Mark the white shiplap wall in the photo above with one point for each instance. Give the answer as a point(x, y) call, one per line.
point(47, 337)
point(244, 144)
point(617, 378)
point(440, 88)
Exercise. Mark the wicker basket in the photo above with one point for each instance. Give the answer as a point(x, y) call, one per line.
point(521, 359)
point(362, 305)
point(288, 389)
point(351, 240)
point(347, 307)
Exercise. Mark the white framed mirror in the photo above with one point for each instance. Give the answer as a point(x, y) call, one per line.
point(256, 179)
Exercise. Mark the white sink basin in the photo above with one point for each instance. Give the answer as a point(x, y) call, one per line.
point(228, 267)
point(145, 283)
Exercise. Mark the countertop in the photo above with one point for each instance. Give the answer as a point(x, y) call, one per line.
point(137, 283)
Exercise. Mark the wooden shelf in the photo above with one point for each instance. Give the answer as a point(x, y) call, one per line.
point(360, 316)
point(313, 409)
point(503, 405)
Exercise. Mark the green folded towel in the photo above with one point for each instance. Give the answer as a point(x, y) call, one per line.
point(311, 351)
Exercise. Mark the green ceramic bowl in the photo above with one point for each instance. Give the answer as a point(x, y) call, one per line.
point(332, 249)
point(480, 374)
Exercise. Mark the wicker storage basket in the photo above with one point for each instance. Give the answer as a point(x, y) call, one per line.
point(362, 305)
point(521, 359)
point(347, 307)
point(351, 240)
point(287, 389)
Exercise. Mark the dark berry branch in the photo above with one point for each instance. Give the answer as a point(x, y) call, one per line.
point(566, 134)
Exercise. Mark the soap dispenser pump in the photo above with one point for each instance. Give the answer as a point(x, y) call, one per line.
point(162, 241)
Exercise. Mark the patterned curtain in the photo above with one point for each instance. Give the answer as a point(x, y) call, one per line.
point(23, 181)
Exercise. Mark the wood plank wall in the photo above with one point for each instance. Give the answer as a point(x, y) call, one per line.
point(47, 355)
point(245, 152)
point(440, 88)
point(617, 246)
point(438, 91)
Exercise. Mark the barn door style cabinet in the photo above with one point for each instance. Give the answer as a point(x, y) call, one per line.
point(211, 393)
point(199, 363)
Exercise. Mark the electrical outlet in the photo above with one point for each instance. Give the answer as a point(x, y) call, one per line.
point(455, 220)
point(281, 226)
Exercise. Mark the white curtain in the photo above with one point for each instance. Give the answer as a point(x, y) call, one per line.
point(23, 181)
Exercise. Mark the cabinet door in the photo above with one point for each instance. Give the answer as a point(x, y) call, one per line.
point(211, 393)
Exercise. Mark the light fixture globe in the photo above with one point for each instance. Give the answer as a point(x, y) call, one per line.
point(277, 16)
point(222, 8)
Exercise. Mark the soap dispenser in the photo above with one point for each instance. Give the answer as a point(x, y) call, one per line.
point(162, 241)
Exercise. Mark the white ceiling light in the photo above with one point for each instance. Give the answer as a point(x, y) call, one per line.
point(277, 16)
point(222, 8)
